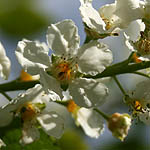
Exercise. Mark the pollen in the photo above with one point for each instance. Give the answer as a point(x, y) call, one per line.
point(137, 106)
point(72, 106)
point(136, 58)
point(64, 69)
point(25, 77)
point(143, 44)
point(28, 112)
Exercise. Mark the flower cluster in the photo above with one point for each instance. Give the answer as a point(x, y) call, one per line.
point(66, 73)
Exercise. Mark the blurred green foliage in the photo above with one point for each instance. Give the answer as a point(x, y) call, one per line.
point(130, 145)
point(71, 140)
point(12, 134)
point(19, 18)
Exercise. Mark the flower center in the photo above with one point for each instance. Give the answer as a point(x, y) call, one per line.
point(138, 106)
point(64, 69)
point(136, 58)
point(108, 23)
point(143, 44)
point(28, 112)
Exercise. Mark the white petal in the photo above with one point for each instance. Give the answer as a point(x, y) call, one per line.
point(4, 63)
point(91, 122)
point(142, 91)
point(32, 55)
point(29, 134)
point(88, 92)
point(6, 117)
point(63, 37)
point(121, 12)
point(6, 111)
point(2, 143)
point(133, 30)
point(94, 57)
point(50, 84)
point(107, 10)
point(91, 17)
point(145, 117)
point(128, 42)
point(52, 123)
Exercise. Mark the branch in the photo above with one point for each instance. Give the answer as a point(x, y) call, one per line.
point(17, 85)
point(120, 68)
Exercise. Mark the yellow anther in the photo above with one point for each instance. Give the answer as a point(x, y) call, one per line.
point(72, 106)
point(137, 106)
point(64, 71)
point(24, 76)
point(136, 58)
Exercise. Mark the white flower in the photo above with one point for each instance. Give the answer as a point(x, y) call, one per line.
point(141, 44)
point(121, 13)
point(30, 106)
point(119, 124)
point(139, 102)
point(139, 41)
point(110, 18)
point(90, 121)
point(4, 63)
point(61, 71)
point(95, 26)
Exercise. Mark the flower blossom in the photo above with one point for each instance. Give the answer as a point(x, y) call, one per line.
point(110, 18)
point(139, 102)
point(95, 26)
point(138, 40)
point(90, 121)
point(118, 14)
point(4, 63)
point(31, 107)
point(141, 44)
point(64, 68)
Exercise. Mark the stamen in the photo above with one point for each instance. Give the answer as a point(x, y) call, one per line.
point(28, 112)
point(72, 106)
point(143, 44)
point(64, 69)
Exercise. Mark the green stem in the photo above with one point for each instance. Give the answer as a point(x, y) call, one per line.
point(17, 85)
point(6, 95)
point(141, 74)
point(87, 40)
point(130, 58)
point(120, 68)
point(119, 85)
point(102, 114)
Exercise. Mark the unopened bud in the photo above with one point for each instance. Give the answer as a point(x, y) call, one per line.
point(119, 124)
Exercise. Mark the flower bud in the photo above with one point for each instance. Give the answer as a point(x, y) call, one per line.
point(119, 124)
